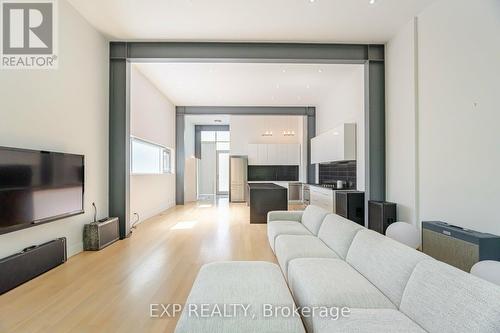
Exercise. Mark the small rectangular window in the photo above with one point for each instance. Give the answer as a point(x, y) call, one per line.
point(149, 158)
point(222, 146)
point(223, 136)
point(207, 136)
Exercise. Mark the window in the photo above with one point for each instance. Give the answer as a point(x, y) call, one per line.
point(223, 136)
point(221, 139)
point(149, 158)
point(207, 136)
point(222, 146)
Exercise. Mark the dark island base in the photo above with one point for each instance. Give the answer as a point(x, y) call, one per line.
point(266, 197)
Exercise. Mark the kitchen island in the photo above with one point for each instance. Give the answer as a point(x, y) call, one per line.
point(265, 197)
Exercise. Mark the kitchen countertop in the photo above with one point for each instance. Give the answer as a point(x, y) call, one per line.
point(331, 188)
point(265, 186)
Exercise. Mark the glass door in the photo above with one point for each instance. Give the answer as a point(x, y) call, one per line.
point(222, 172)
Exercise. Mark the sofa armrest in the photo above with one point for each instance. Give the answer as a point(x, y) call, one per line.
point(285, 215)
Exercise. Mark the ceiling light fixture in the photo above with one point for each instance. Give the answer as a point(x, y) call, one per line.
point(372, 2)
point(320, 70)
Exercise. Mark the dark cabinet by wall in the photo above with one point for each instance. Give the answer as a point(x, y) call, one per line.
point(351, 205)
point(273, 173)
point(380, 215)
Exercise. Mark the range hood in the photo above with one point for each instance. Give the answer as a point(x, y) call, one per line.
point(337, 144)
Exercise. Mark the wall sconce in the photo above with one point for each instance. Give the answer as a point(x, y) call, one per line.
point(268, 133)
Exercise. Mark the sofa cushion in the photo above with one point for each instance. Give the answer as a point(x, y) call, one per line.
point(313, 217)
point(338, 232)
point(288, 247)
point(367, 321)
point(285, 215)
point(387, 263)
point(331, 283)
point(249, 283)
point(276, 228)
point(442, 298)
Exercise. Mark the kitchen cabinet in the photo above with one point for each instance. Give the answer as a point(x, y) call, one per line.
point(338, 144)
point(262, 152)
point(322, 197)
point(274, 154)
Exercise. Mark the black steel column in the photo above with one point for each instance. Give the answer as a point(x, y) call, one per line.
point(119, 136)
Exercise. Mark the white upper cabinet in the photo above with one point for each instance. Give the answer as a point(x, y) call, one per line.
point(293, 154)
point(338, 144)
point(253, 154)
point(274, 154)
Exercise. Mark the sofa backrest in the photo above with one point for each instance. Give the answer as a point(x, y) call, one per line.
point(386, 263)
point(337, 233)
point(442, 298)
point(313, 217)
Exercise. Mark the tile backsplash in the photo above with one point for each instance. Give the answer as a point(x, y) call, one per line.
point(345, 171)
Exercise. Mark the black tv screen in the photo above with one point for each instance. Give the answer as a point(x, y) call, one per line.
point(38, 187)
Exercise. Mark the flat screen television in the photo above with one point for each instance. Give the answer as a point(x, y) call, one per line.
point(38, 187)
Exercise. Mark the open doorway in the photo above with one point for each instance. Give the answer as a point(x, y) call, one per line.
point(208, 141)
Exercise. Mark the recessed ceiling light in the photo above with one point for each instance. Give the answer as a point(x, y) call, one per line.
point(284, 70)
point(311, 0)
point(308, 86)
point(372, 2)
point(320, 70)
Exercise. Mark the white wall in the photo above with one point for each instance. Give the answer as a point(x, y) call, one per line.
point(190, 174)
point(346, 105)
point(207, 168)
point(400, 122)
point(152, 117)
point(457, 107)
point(62, 110)
point(249, 129)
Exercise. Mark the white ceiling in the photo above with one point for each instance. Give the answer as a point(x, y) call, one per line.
point(208, 119)
point(243, 84)
point(250, 20)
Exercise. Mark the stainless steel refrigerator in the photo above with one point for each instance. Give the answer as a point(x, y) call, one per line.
point(238, 178)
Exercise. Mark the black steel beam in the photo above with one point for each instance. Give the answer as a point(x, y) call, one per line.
point(250, 52)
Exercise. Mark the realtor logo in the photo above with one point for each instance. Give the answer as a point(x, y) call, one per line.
point(28, 34)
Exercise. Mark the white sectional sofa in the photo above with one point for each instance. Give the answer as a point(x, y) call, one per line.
point(330, 261)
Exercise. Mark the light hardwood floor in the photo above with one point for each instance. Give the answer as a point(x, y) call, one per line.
point(110, 290)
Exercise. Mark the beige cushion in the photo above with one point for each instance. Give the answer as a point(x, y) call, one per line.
point(250, 283)
point(442, 299)
point(332, 283)
point(385, 262)
point(367, 321)
point(312, 218)
point(276, 228)
point(289, 247)
point(338, 232)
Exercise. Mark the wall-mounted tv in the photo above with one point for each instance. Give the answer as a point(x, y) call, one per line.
point(38, 187)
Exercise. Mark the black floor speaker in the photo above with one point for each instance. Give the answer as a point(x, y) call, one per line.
point(380, 215)
point(31, 262)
